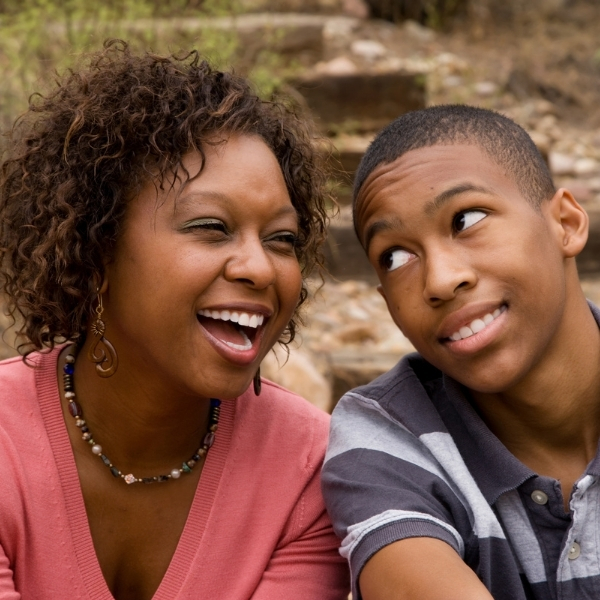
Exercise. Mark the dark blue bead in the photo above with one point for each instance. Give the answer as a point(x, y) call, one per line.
point(214, 402)
point(115, 472)
point(69, 369)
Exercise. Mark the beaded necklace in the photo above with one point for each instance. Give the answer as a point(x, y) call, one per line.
point(77, 413)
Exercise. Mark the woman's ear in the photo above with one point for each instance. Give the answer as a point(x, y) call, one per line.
point(572, 222)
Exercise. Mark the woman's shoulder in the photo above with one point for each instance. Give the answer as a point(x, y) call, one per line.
point(283, 419)
point(17, 378)
point(282, 403)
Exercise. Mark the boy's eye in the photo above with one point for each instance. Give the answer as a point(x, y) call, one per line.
point(467, 218)
point(393, 259)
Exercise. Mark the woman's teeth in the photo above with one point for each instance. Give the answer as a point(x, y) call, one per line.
point(476, 326)
point(245, 346)
point(241, 318)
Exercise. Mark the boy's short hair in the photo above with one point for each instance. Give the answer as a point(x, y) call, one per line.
point(505, 142)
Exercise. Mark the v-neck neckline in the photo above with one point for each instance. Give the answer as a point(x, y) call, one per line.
point(195, 525)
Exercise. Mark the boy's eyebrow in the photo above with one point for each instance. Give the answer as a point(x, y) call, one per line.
point(443, 197)
point(378, 226)
point(430, 208)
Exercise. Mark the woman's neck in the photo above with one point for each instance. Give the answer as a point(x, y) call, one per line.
point(142, 424)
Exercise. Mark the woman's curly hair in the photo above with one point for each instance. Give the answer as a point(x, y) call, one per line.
point(79, 153)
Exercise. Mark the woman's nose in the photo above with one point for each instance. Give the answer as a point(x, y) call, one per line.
point(251, 264)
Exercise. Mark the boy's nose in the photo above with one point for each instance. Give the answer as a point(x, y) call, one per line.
point(446, 274)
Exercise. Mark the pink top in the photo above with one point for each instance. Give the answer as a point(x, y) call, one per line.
point(257, 527)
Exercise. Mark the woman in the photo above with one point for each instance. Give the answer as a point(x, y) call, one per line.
point(157, 219)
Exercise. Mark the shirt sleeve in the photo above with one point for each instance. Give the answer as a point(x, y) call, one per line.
point(382, 485)
point(7, 585)
point(306, 564)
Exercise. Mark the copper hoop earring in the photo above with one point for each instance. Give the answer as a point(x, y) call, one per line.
point(257, 383)
point(102, 352)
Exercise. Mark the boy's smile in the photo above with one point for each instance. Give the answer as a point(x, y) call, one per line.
point(473, 272)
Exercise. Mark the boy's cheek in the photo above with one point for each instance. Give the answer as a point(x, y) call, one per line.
point(392, 309)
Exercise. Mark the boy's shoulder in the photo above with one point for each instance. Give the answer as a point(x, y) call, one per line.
point(408, 395)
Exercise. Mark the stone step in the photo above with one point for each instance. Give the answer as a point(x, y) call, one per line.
point(345, 258)
point(351, 368)
point(360, 102)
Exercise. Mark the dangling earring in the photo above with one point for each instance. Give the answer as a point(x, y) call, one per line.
point(257, 383)
point(105, 353)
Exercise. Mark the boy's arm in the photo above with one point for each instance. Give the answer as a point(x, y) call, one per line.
point(419, 569)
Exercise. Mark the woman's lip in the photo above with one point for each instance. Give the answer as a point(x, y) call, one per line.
point(233, 355)
point(477, 341)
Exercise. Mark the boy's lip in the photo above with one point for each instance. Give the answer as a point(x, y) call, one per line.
point(463, 317)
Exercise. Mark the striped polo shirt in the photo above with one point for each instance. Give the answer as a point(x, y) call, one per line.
point(410, 457)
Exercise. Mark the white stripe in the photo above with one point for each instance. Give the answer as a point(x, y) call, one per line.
point(522, 537)
point(442, 447)
point(585, 505)
point(353, 427)
point(357, 532)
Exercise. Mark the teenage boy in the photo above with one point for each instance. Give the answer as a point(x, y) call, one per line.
point(471, 470)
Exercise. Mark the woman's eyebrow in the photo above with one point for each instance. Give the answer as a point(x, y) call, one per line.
point(434, 205)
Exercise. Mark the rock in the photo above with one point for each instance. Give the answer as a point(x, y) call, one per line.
point(341, 65)
point(418, 32)
point(352, 368)
point(339, 28)
point(486, 88)
point(542, 141)
point(344, 256)
point(357, 333)
point(561, 164)
point(368, 49)
point(586, 166)
point(362, 101)
point(298, 374)
point(356, 8)
point(452, 81)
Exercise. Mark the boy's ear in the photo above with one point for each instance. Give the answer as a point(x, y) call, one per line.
point(571, 221)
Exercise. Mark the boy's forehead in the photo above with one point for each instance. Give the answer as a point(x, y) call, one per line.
point(423, 174)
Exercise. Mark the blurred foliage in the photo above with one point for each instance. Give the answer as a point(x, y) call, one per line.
point(40, 38)
point(437, 14)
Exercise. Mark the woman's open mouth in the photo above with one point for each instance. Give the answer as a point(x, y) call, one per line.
point(237, 330)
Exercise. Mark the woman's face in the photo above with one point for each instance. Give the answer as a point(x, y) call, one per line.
point(203, 283)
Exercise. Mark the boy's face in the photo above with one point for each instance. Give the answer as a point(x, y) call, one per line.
point(472, 273)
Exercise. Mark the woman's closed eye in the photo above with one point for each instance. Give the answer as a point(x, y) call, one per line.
point(467, 218)
point(206, 224)
point(395, 258)
point(284, 240)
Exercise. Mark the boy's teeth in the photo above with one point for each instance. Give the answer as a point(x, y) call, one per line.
point(476, 326)
point(243, 319)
